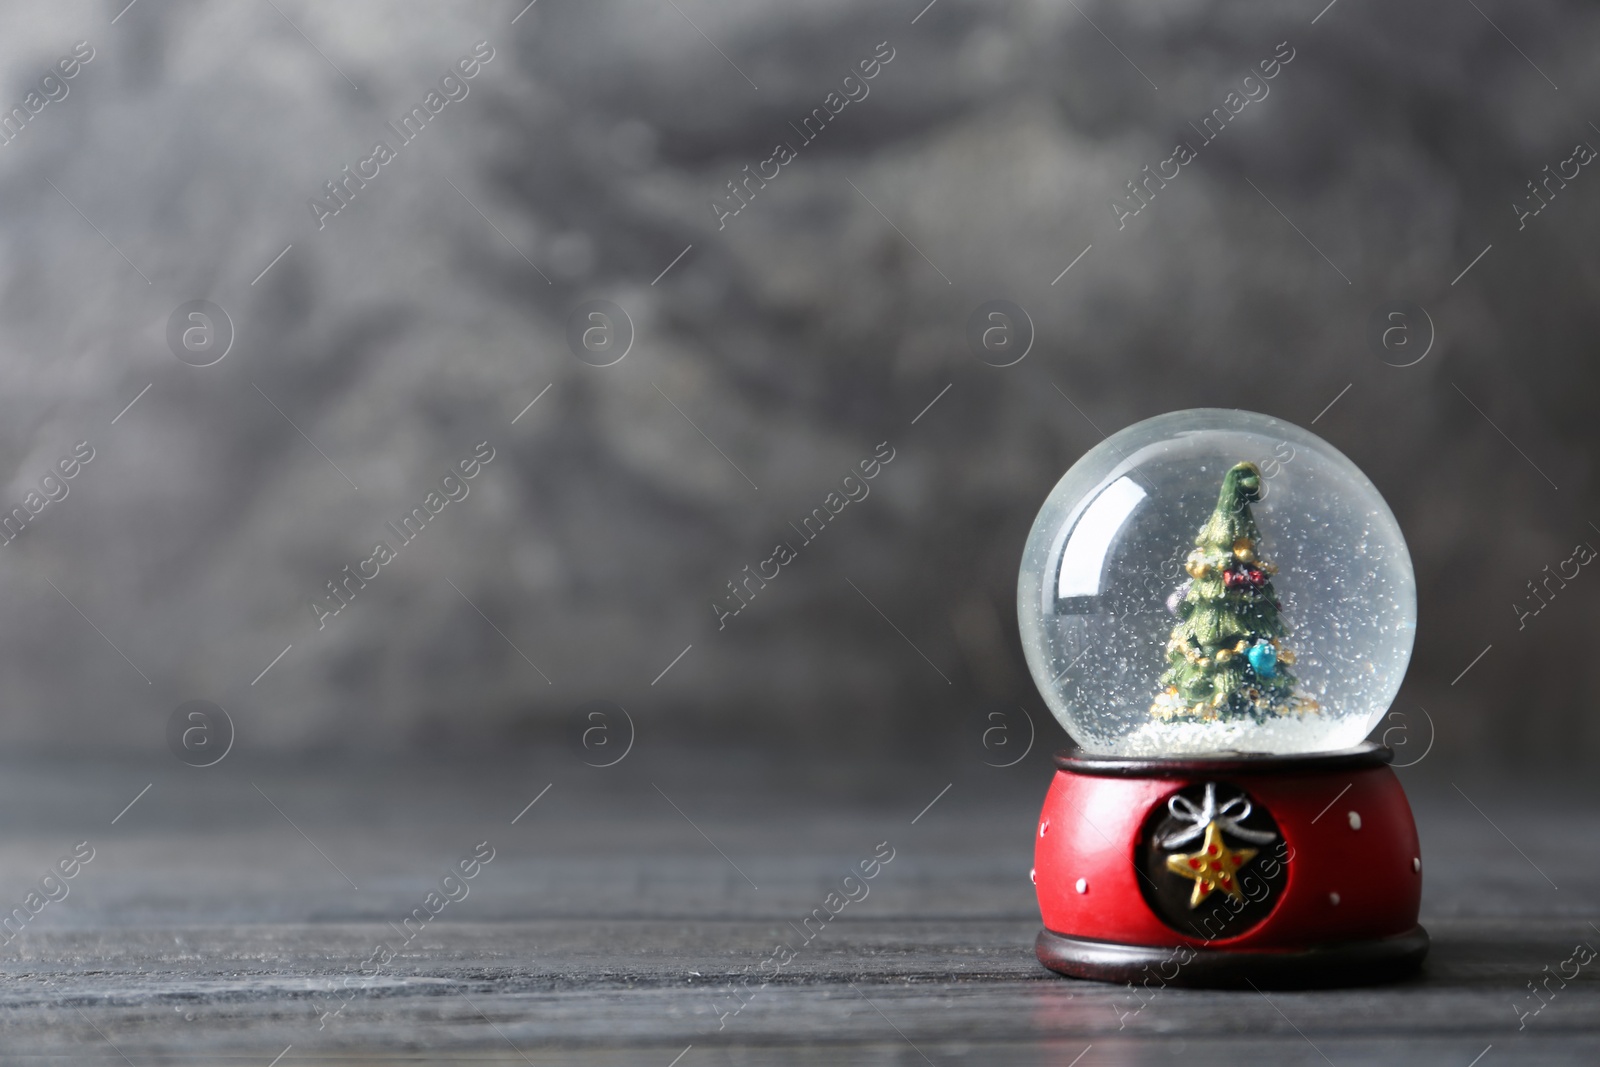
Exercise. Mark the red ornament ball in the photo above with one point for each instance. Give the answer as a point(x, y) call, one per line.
point(1252, 576)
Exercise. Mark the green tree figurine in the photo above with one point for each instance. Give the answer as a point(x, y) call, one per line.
point(1224, 658)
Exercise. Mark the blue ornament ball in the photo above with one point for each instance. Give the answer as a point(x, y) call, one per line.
point(1263, 659)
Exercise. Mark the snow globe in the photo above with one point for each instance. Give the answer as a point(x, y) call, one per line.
point(1218, 607)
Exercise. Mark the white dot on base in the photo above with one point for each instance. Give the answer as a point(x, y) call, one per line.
point(1033, 876)
point(1355, 820)
point(1416, 864)
point(1082, 886)
point(1333, 898)
point(1044, 827)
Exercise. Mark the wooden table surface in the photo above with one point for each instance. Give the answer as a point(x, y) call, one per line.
point(224, 914)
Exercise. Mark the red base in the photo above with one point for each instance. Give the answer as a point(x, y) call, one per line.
point(1335, 882)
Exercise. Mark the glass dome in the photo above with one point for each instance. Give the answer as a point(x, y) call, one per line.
point(1216, 581)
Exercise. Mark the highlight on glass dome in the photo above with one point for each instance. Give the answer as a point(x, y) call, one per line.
point(1214, 581)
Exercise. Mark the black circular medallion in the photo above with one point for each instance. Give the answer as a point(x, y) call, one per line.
point(1212, 861)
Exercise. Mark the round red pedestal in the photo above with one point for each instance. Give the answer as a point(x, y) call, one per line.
point(1306, 869)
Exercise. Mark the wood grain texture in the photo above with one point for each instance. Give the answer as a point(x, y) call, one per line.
point(609, 930)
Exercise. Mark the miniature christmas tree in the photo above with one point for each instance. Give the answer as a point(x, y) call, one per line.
point(1224, 658)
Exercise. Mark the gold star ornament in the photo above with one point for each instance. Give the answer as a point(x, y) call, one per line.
point(1214, 868)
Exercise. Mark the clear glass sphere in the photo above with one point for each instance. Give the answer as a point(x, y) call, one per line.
point(1216, 581)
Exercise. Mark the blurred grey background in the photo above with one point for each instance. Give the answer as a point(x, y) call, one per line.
point(769, 355)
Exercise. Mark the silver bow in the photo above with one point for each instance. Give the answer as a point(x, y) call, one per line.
point(1226, 817)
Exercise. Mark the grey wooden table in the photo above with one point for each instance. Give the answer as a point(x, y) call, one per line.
point(226, 917)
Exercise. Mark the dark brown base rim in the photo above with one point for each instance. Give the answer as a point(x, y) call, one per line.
point(1384, 959)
